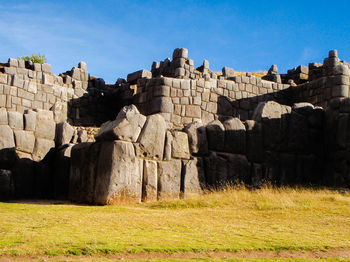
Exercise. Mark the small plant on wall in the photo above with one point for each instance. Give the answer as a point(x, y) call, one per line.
point(35, 58)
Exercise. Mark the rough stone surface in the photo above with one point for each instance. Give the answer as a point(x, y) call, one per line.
point(7, 138)
point(45, 125)
point(15, 120)
point(169, 179)
point(64, 133)
point(179, 148)
point(197, 138)
point(30, 121)
point(193, 177)
point(3, 116)
point(24, 140)
point(119, 175)
point(42, 147)
point(216, 135)
point(150, 181)
point(127, 126)
point(152, 137)
point(235, 139)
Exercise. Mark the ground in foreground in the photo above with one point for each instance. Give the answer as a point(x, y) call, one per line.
point(281, 224)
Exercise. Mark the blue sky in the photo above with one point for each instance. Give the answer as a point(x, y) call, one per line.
point(119, 37)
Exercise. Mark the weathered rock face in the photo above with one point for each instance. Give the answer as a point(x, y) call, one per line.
point(127, 126)
point(152, 138)
point(179, 148)
point(119, 175)
point(64, 133)
point(193, 180)
point(216, 135)
point(197, 138)
point(235, 138)
point(7, 139)
point(169, 179)
point(150, 180)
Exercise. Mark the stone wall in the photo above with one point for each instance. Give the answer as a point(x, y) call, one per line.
point(327, 82)
point(191, 129)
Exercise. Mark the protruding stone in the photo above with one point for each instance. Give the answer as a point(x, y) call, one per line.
point(152, 137)
point(180, 53)
point(197, 138)
point(333, 53)
point(127, 126)
point(64, 133)
point(12, 62)
point(273, 70)
point(216, 135)
point(179, 148)
point(139, 74)
point(228, 72)
point(82, 66)
point(234, 136)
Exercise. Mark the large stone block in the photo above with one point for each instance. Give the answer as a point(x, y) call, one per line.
point(7, 138)
point(193, 177)
point(235, 139)
point(169, 179)
point(3, 116)
point(24, 178)
point(41, 148)
point(216, 135)
point(127, 126)
point(6, 185)
point(64, 133)
point(150, 180)
point(152, 137)
point(179, 147)
point(197, 138)
point(82, 172)
point(180, 53)
point(24, 140)
point(238, 168)
point(15, 120)
point(139, 74)
point(228, 72)
point(119, 174)
point(162, 105)
point(61, 164)
point(215, 170)
point(254, 141)
point(29, 120)
point(45, 125)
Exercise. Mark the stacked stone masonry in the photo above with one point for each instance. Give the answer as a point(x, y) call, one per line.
point(189, 129)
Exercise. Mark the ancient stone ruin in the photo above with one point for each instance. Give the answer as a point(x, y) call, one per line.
point(171, 132)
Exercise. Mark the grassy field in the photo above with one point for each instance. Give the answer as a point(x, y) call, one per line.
point(267, 221)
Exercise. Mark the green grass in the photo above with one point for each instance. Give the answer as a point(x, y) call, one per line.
point(234, 220)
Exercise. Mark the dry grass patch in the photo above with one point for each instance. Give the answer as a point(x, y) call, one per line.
point(233, 220)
